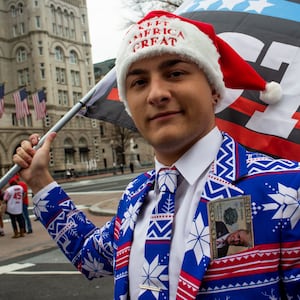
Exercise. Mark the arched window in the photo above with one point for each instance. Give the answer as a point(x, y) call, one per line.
point(69, 153)
point(20, 8)
point(59, 55)
point(83, 150)
point(73, 57)
point(21, 55)
point(13, 11)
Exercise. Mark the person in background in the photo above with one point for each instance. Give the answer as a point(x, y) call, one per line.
point(171, 75)
point(13, 197)
point(28, 225)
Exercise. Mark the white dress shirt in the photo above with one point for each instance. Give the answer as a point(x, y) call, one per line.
point(193, 167)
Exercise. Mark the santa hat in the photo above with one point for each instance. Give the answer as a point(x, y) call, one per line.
point(162, 32)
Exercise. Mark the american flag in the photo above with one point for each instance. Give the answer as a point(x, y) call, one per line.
point(1, 99)
point(39, 103)
point(20, 98)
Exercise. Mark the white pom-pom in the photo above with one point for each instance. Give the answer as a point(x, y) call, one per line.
point(272, 94)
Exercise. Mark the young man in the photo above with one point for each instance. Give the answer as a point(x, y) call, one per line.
point(171, 73)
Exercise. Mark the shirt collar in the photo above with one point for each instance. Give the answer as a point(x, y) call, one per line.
point(198, 158)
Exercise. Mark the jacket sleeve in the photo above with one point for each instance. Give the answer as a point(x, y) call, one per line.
point(289, 199)
point(90, 249)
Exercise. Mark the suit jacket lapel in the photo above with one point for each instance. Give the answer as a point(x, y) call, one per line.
point(228, 167)
point(128, 212)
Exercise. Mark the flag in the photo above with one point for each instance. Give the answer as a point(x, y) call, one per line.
point(1, 99)
point(20, 98)
point(39, 103)
point(105, 104)
point(266, 34)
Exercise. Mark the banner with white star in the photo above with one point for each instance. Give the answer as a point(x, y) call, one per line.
point(266, 34)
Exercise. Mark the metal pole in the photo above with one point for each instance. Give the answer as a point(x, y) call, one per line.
point(64, 120)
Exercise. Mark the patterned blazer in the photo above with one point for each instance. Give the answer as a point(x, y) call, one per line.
point(269, 270)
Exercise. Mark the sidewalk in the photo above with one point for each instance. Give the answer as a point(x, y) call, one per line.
point(99, 207)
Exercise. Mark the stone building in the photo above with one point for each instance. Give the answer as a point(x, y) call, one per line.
point(46, 45)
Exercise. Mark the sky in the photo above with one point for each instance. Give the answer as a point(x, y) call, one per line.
point(105, 28)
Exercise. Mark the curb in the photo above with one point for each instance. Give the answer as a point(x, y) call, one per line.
point(99, 209)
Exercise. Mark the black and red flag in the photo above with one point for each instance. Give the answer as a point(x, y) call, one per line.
point(266, 34)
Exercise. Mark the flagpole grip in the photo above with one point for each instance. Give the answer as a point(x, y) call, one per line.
point(62, 122)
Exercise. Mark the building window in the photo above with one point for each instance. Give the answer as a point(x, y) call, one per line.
point(21, 55)
point(67, 32)
point(73, 57)
point(36, 3)
point(13, 11)
point(29, 120)
point(76, 97)
point(14, 120)
point(83, 19)
point(38, 22)
point(69, 152)
point(75, 78)
point(59, 55)
point(22, 28)
point(60, 30)
point(40, 49)
point(20, 8)
point(60, 76)
point(42, 71)
point(15, 30)
point(83, 150)
point(62, 98)
point(54, 29)
point(84, 37)
point(23, 77)
point(72, 36)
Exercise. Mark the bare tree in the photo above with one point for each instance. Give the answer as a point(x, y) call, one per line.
point(136, 9)
point(121, 140)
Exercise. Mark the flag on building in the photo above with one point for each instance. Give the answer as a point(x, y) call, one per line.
point(21, 103)
point(39, 103)
point(266, 34)
point(1, 99)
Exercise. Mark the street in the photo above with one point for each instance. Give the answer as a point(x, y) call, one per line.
point(34, 268)
point(50, 275)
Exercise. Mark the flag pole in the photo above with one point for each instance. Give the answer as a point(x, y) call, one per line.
point(100, 87)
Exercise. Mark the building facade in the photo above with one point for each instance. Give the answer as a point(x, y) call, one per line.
point(46, 45)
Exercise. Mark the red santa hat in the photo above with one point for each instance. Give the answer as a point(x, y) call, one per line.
point(162, 32)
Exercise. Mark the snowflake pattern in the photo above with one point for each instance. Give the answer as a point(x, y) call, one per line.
point(286, 206)
point(199, 239)
point(40, 207)
point(130, 217)
point(153, 276)
point(94, 268)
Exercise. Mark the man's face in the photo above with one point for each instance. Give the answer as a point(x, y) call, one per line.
point(171, 103)
point(239, 238)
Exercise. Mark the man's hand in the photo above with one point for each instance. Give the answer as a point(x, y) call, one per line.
point(34, 162)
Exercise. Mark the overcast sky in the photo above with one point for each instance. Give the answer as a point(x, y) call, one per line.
point(105, 28)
